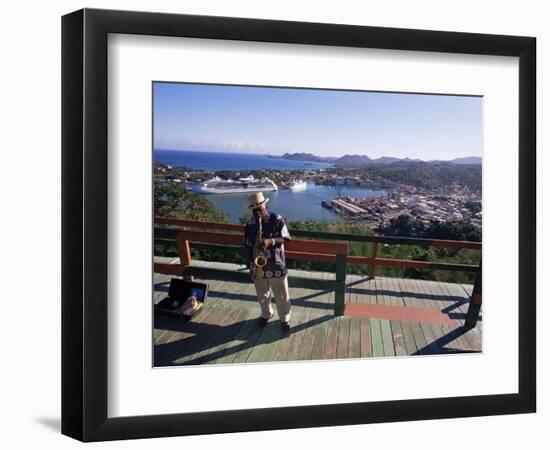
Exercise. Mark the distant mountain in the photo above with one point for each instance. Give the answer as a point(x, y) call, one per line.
point(385, 160)
point(304, 157)
point(467, 160)
point(353, 160)
point(363, 160)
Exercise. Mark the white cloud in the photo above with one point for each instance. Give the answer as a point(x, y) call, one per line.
point(190, 144)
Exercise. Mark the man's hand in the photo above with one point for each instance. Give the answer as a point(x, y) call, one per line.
point(268, 243)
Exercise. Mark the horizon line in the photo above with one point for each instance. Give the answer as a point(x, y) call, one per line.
point(319, 156)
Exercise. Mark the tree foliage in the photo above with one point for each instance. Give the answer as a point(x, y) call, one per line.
point(429, 175)
point(405, 225)
point(173, 200)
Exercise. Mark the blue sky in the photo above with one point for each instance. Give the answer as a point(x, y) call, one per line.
point(323, 122)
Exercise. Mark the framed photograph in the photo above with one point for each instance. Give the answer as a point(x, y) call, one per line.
point(305, 211)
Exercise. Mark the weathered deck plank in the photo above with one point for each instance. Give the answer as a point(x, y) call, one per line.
point(406, 328)
point(454, 337)
point(376, 326)
point(432, 332)
point(228, 350)
point(266, 344)
point(164, 353)
point(314, 318)
point(366, 339)
point(205, 334)
point(376, 336)
point(392, 297)
point(415, 329)
point(332, 338)
point(355, 338)
point(320, 340)
point(226, 335)
point(342, 346)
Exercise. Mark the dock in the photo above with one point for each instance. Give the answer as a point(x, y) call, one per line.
point(340, 205)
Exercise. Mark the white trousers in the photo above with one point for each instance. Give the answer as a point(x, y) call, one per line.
point(279, 286)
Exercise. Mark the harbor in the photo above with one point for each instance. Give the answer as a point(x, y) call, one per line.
point(303, 199)
point(456, 204)
point(346, 207)
point(303, 204)
point(330, 194)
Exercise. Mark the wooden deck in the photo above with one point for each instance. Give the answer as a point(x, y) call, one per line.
point(384, 317)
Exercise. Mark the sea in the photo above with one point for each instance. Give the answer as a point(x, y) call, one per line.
point(230, 161)
point(294, 206)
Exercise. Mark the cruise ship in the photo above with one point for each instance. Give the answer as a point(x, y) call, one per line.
point(298, 185)
point(218, 185)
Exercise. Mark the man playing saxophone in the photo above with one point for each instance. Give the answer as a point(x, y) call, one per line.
point(264, 238)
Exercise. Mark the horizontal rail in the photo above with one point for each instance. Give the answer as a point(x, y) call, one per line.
point(425, 265)
point(310, 256)
point(199, 224)
point(321, 247)
point(233, 249)
point(442, 243)
point(211, 238)
point(297, 245)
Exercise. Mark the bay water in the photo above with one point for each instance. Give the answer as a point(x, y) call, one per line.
point(294, 206)
point(230, 161)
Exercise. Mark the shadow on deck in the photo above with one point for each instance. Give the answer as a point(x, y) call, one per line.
point(384, 317)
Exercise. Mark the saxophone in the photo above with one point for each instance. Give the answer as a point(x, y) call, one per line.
point(260, 258)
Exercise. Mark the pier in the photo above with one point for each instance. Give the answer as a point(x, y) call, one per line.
point(342, 206)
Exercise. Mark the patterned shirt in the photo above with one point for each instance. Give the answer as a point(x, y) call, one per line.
point(272, 227)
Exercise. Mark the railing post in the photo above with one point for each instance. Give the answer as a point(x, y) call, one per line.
point(340, 291)
point(184, 252)
point(372, 271)
point(475, 301)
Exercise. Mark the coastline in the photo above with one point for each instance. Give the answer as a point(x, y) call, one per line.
point(374, 194)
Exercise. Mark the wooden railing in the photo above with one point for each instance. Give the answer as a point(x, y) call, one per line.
point(231, 241)
point(228, 238)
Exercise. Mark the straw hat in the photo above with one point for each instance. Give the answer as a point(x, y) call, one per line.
point(256, 200)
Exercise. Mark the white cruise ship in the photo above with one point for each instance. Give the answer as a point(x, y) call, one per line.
point(298, 185)
point(217, 185)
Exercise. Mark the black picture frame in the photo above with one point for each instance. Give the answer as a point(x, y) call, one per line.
point(84, 224)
